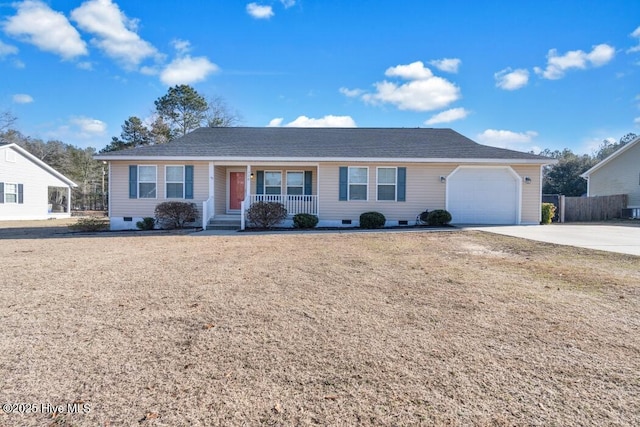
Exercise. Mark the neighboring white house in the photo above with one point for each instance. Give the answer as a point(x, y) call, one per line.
point(336, 174)
point(31, 189)
point(618, 174)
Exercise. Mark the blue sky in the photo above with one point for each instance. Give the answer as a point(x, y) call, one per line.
point(522, 75)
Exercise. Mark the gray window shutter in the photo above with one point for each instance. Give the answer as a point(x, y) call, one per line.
point(260, 182)
point(20, 193)
point(133, 181)
point(344, 182)
point(308, 180)
point(1, 192)
point(402, 184)
point(188, 182)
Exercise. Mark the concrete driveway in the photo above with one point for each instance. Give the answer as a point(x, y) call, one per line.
point(621, 239)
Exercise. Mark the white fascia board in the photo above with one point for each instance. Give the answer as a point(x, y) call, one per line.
point(314, 160)
point(610, 158)
point(40, 163)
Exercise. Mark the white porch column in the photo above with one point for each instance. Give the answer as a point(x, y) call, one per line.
point(247, 190)
point(69, 200)
point(212, 187)
point(109, 192)
point(317, 190)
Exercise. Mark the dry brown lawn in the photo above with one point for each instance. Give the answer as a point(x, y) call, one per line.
point(448, 328)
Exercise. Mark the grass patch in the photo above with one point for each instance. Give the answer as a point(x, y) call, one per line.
point(448, 328)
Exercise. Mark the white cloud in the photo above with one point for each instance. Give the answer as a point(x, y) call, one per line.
point(36, 23)
point(636, 120)
point(87, 127)
point(506, 138)
point(448, 116)
point(149, 71)
point(635, 35)
point(181, 46)
point(601, 55)
point(423, 92)
point(449, 65)
point(351, 93)
point(274, 123)
point(81, 131)
point(7, 49)
point(259, 12)
point(557, 65)
point(22, 98)
point(509, 79)
point(414, 71)
point(115, 33)
point(288, 3)
point(328, 121)
point(85, 65)
point(187, 70)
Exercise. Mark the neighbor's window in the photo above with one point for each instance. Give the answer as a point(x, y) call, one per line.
point(295, 183)
point(147, 182)
point(387, 183)
point(358, 180)
point(272, 182)
point(175, 182)
point(10, 193)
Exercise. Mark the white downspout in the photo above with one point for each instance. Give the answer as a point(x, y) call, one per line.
point(247, 197)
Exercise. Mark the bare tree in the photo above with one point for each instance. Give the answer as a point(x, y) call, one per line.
point(219, 115)
point(7, 119)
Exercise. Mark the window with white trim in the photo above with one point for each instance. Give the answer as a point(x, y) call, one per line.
point(174, 179)
point(387, 180)
point(295, 183)
point(10, 193)
point(358, 183)
point(147, 182)
point(273, 182)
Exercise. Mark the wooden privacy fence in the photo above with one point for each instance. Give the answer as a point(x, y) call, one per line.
point(600, 208)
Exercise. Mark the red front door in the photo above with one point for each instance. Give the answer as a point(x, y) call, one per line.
point(236, 190)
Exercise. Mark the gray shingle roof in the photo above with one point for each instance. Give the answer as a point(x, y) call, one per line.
point(323, 143)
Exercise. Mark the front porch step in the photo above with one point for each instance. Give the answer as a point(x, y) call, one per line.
point(224, 222)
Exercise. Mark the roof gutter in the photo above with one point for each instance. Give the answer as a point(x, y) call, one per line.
point(107, 157)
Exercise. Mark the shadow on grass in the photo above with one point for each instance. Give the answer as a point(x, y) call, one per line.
point(63, 232)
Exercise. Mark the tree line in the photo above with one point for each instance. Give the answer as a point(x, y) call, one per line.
point(181, 110)
point(564, 177)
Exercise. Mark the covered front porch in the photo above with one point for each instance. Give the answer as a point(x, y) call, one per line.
point(233, 188)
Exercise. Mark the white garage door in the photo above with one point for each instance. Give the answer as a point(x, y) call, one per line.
point(483, 196)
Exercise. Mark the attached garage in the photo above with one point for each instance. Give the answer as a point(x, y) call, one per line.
point(484, 195)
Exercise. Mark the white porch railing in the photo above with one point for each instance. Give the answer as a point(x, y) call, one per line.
point(294, 204)
point(207, 212)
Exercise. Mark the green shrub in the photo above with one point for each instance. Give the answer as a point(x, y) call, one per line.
point(90, 224)
point(266, 214)
point(372, 220)
point(147, 223)
point(548, 211)
point(439, 217)
point(175, 214)
point(303, 220)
